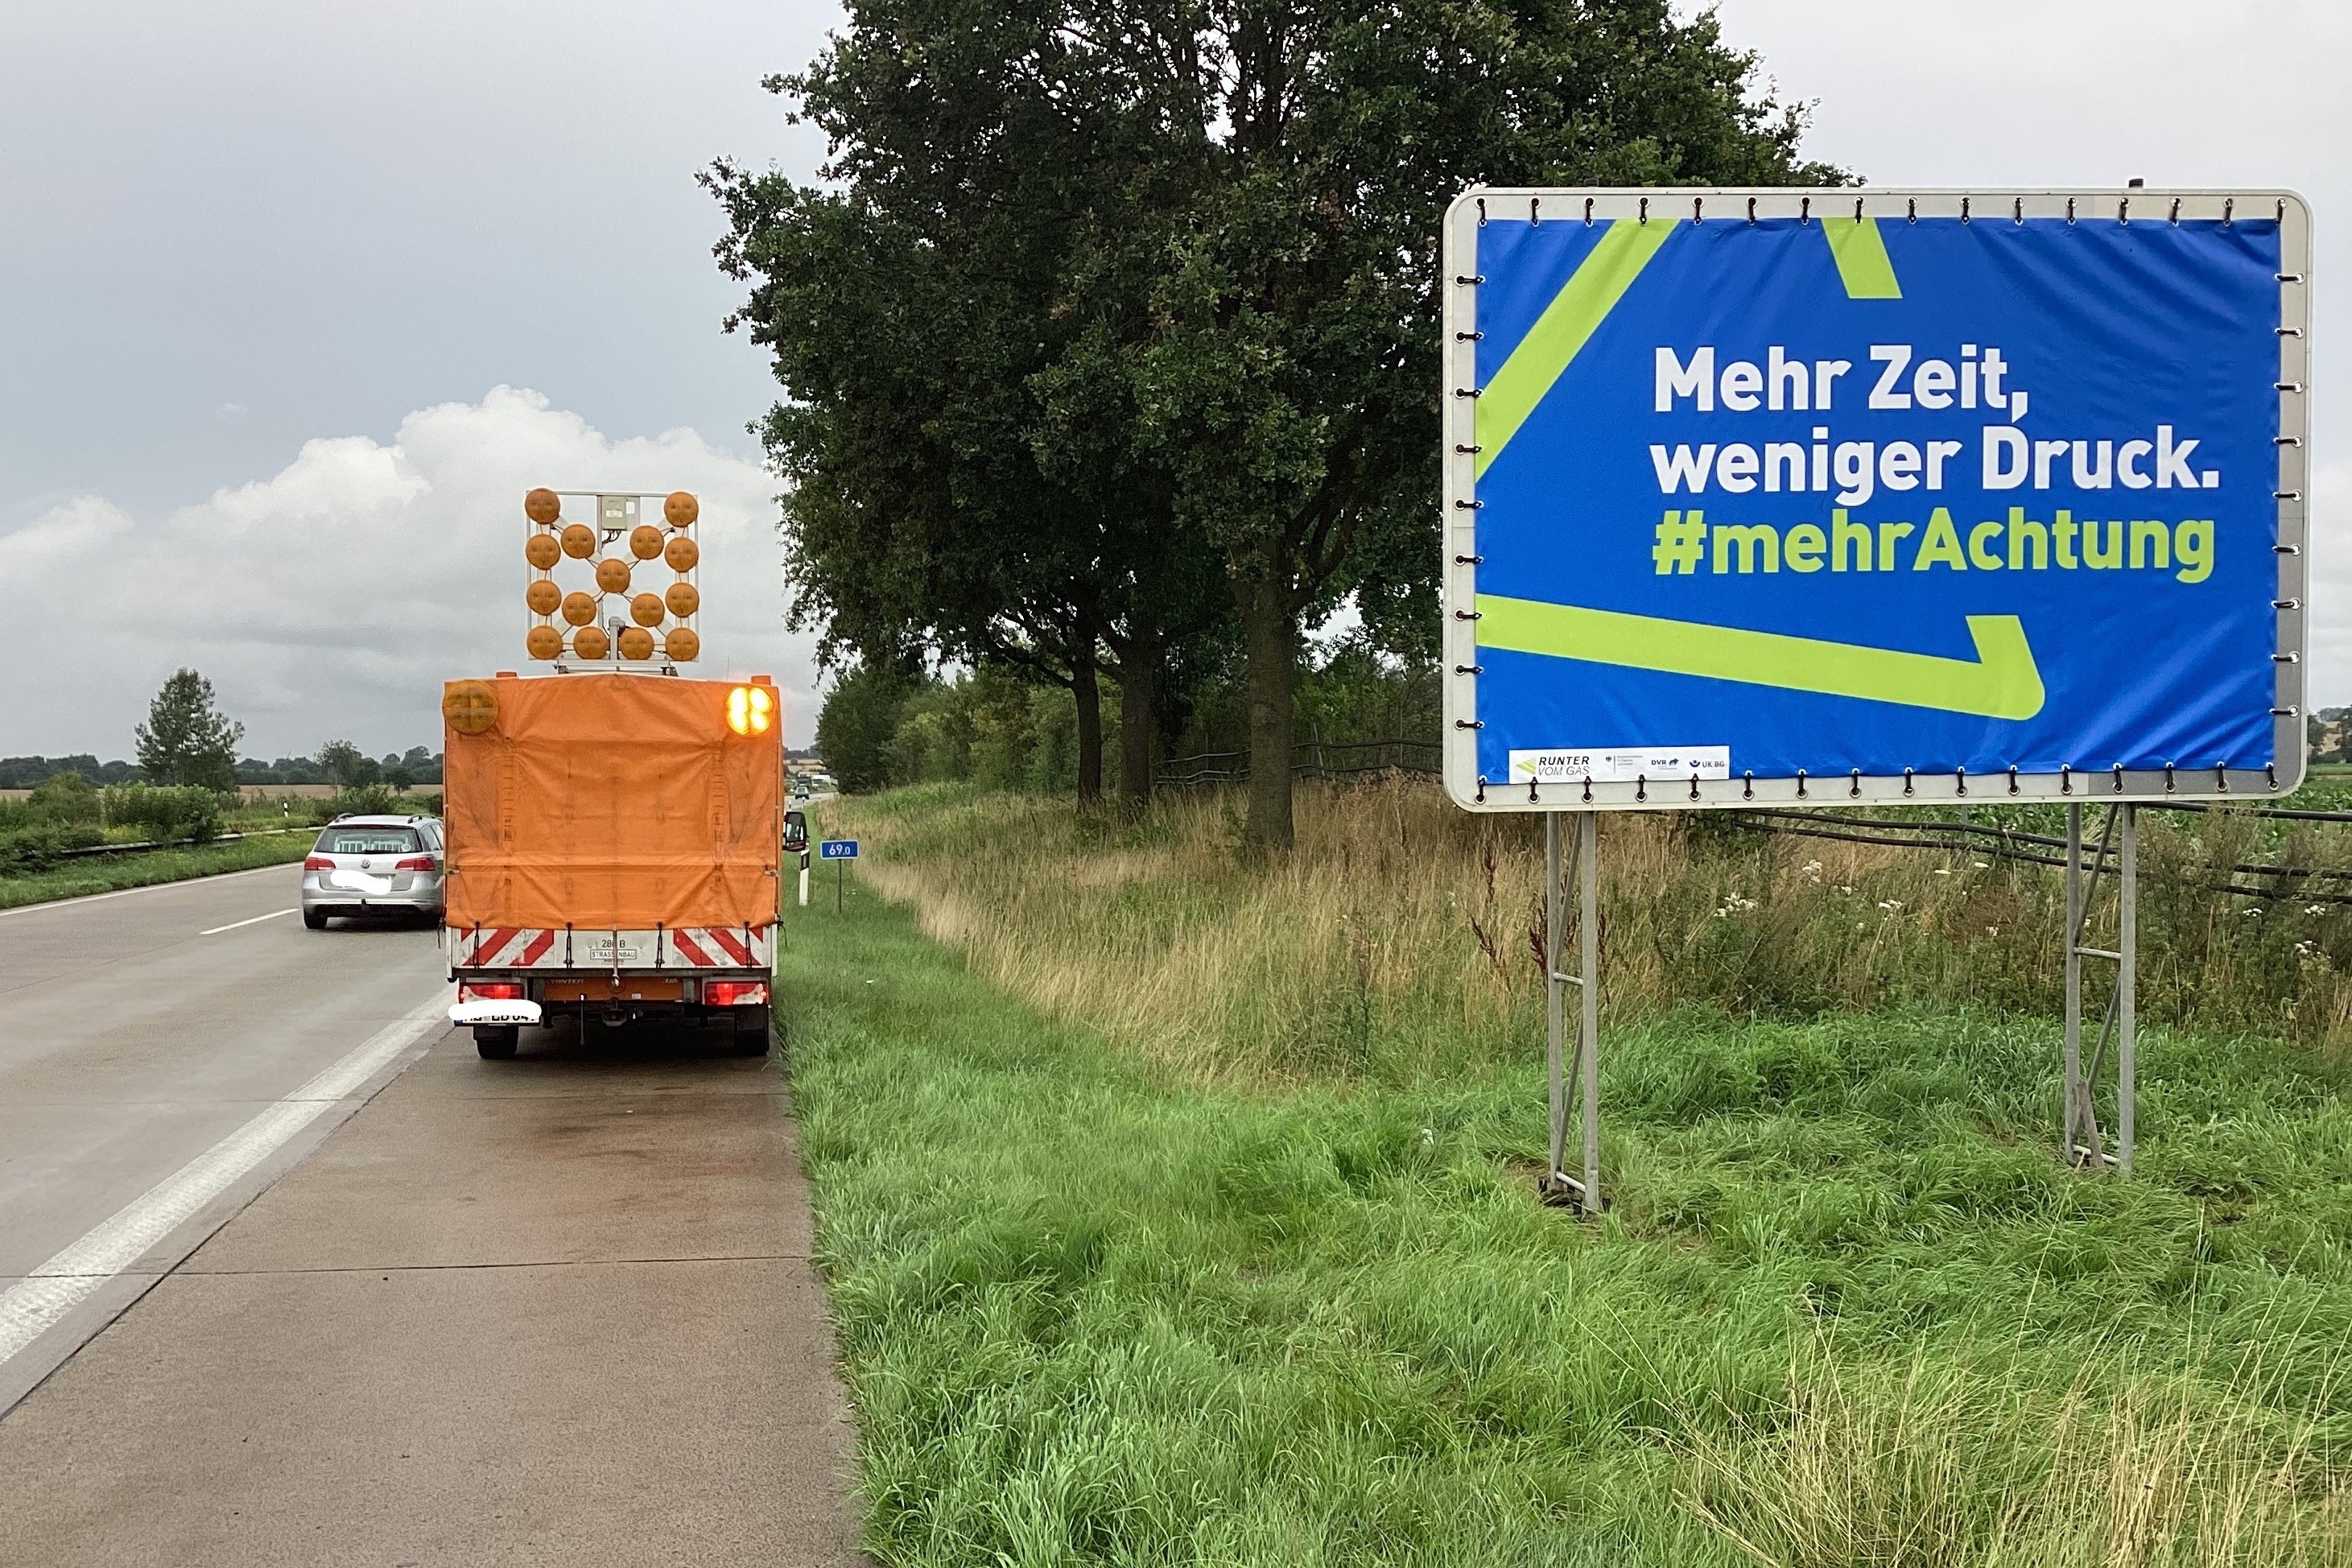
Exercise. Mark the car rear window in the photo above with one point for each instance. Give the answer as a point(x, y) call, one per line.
point(367, 841)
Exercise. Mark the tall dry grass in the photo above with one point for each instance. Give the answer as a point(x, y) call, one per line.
point(1402, 935)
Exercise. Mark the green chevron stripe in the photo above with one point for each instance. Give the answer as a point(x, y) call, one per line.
point(1862, 260)
point(1572, 317)
point(2001, 683)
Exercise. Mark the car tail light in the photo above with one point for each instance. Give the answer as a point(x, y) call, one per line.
point(735, 992)
point(319, 863)
point(490, 991)
point(416, 863)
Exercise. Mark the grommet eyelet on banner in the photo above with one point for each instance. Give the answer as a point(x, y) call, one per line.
point(1698, 209)
point(1468, 448)
point(2222, 777)
point(2271, 772)
point(1482, 789)
point(2017, 212)
point(1469, 337)
point(2070, 212)
point(2119, 778)
point(1469, 669)
point(1469, 723)
point(2176, 210)
point(2229, 211)
point(1470, 279)
point(2012, 778)
point(1857, 209)
point(2066, 778)
point(1588, 212)
point(2168, 778)
point(1469, 614)
point(1469, 506)
point(1694, 786)
point(1964, 209)
point(1642, 786)
point(1805, 211)
point(1907, 781)
point(1911, 210)
point(1588, 789)
point(1800, 784)
point(1469, 561)
point(1751, 209)
point(1482, 212)
point(1857, 790)
point(2123, 212)
point(1465, 392)
point(1532, 792)
point(1748, 789)
point(1646, 209)
point(1535, 211)
point(1962, 775)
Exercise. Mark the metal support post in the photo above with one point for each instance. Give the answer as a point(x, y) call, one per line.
point(2126, 994)
point(2085, 1145)
point(1581, 1194)
point(1588, 1037)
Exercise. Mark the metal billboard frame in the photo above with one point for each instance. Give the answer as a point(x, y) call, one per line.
point(2117, 788)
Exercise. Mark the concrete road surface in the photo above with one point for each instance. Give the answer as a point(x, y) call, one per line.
point(553, 1309)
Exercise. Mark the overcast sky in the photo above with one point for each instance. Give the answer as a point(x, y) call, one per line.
point(297, 298)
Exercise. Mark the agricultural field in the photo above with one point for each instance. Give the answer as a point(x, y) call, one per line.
point(1177, 1209)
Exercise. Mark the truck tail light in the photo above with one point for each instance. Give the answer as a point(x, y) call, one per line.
point(490, 991)
point(735, 992)
point(416, 863)
point(319, 863)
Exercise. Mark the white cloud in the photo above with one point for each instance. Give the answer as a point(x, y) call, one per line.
point(332, 598)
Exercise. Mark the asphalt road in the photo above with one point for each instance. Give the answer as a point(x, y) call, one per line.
point(300, 1279)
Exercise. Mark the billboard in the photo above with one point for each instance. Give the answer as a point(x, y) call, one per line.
point(1827, 495)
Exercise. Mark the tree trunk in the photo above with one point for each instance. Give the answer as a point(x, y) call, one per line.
point(1087, 690)
point(1273, 641)
point(1139, 721)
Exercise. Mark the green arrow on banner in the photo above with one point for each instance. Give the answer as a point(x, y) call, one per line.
point(2000, 682)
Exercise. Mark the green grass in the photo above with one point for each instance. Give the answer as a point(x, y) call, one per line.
point(107, 873)
point(1848, 1310)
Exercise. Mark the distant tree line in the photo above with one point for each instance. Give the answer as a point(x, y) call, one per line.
point(1109, 342)
point(188, 743)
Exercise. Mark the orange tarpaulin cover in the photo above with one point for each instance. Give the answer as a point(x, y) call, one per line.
point(613, 801)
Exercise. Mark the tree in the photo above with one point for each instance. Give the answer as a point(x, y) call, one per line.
point(1140, 285)
point(187, 740)
point(348, 766)
point(859, 723)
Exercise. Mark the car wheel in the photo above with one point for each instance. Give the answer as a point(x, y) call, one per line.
point(315, 919)
point(751, 1039)
point(496, 1042)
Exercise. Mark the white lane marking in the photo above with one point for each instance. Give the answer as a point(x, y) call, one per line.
point(47, 904)
point(255, 921)
point(30, 1308)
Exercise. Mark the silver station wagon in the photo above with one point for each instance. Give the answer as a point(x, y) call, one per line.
point(374, 865)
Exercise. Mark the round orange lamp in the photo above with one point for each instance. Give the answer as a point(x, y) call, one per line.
point(590, 642)
point(681, 644)
point(682, 599)
point(580, 609)
point(542, 505)
point(579, 541)
point(541, 551)
point(681, 554)
point(681, 509)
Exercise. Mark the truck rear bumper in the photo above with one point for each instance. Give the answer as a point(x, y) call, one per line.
point(675, 952)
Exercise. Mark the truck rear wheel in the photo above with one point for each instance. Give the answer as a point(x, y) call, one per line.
point(751, 1031)
point(496, 1042)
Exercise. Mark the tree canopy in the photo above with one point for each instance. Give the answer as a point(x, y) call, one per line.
point(187, 740)
point(1115, 324)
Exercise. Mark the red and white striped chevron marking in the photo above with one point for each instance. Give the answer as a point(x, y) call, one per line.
point(681, 947)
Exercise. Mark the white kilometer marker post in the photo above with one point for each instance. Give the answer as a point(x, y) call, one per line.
point(31, 1308)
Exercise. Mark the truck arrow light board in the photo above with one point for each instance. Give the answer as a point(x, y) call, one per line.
point(1891, 496)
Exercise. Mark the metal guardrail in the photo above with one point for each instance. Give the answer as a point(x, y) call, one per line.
point(89, 849)
point(1314, 760)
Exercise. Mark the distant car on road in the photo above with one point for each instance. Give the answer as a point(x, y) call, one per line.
point(374, 865)
point(800, 787)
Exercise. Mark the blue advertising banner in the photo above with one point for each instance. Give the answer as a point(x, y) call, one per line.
point(1780, 495)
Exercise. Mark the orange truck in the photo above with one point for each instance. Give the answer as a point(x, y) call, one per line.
point(615, 840)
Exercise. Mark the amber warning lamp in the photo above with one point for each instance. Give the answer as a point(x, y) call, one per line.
point(589, 596)
point(750, 710)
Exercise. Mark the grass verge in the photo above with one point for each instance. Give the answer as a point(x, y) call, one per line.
point(1095, 1306)
point(107, 873)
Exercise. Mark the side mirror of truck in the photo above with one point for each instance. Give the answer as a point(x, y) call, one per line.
point(795, 831)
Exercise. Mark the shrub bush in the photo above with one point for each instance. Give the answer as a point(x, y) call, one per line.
point(38, 848)
point(170, 814)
